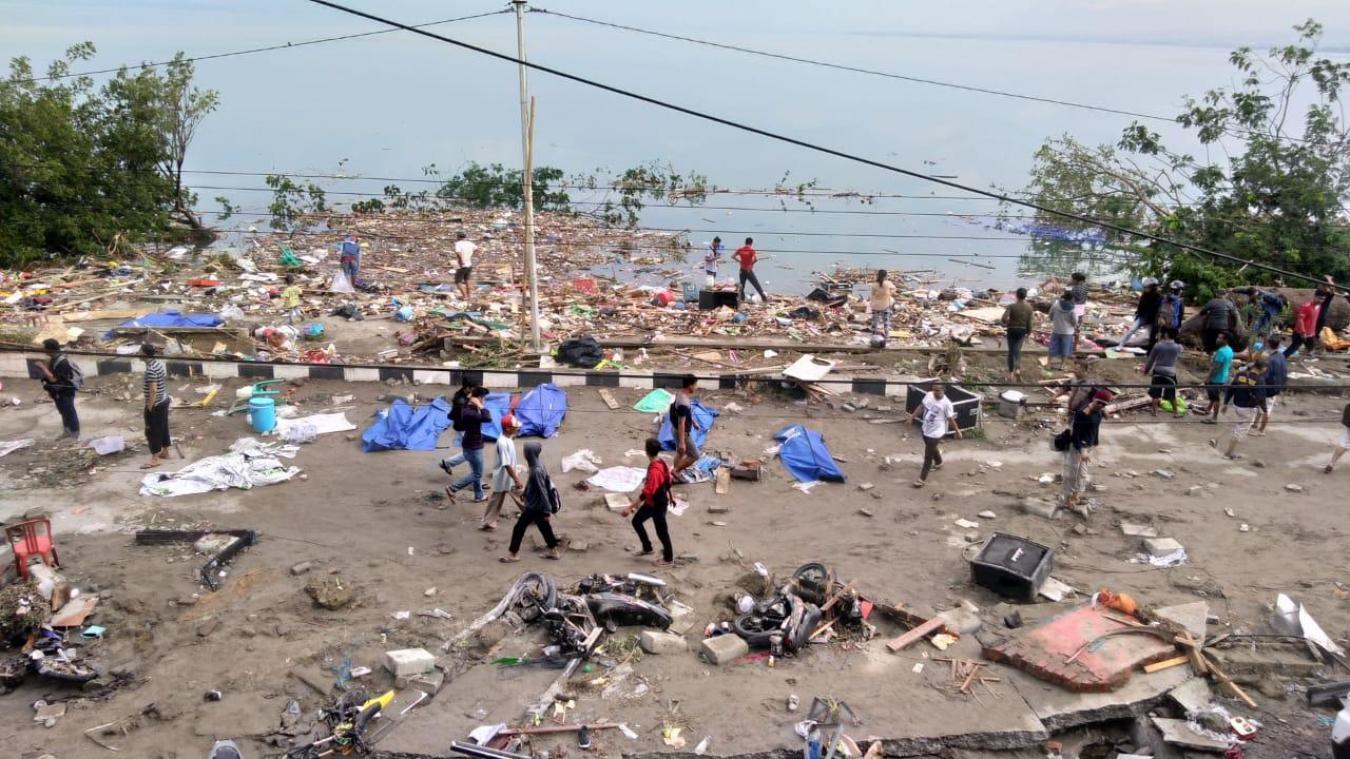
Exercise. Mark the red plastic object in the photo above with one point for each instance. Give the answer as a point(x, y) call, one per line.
point(30, 538)
point(665, 297)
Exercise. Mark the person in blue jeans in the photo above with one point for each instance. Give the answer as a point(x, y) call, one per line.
point(471, 420)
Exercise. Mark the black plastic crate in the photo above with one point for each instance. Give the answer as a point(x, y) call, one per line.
point(1012, 567)
point(965, 403)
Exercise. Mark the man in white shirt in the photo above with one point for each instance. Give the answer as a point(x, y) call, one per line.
point(504, 474)
point(464, 251)
point(938, 414)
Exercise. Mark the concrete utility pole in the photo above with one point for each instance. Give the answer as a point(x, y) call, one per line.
point(527, 176)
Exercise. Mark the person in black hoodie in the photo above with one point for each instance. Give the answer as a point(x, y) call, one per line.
point(538, 507)
point(472, 417)
point(1146, 313)
point(469, 382)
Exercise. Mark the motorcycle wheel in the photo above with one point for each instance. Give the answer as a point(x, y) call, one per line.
point(751, 628)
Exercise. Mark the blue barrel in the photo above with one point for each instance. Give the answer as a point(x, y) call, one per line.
point(691, 292)
point(262, 414)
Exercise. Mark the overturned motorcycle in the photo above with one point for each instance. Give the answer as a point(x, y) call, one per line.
point(803, 608)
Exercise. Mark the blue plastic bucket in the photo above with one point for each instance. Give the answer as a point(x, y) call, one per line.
point(691, 291)
point(262, 414)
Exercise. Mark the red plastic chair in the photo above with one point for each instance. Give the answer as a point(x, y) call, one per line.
point(32, 537)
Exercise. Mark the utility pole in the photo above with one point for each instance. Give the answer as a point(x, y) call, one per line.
point(527, 176)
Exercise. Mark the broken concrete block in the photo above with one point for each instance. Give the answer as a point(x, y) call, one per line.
point(681, 617)
point(406, 662)
point(1056, 590)
point(1138, 530)
point(1292, 488)
point(1178, 733)
point(1192, 695)
point(1164, 474)
point(723, 649)
point(428, 682)
point(616, 501)
point(1040, 507)
point(302, 567)
point(961, 619)
point(986, 514)
point(1159, 547)
point(1194, 617)
point(659, 643)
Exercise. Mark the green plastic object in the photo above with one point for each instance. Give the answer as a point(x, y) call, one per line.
point(289, 259)
point(654, 402)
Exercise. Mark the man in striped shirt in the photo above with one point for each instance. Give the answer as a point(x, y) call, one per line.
point(156, 408)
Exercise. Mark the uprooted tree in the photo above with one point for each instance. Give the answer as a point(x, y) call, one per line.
point(1272, 185)
point(84, 167)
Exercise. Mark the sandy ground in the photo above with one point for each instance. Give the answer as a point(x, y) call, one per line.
point(379, 522)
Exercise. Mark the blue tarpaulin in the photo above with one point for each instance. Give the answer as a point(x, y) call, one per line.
point(805, 456)
point(703, 424)
point(403, 427)
point(541, 411)
point(173, 318)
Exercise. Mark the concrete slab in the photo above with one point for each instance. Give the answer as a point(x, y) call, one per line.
point(1192, 616)
point(1192, 695)
point(1178, 733)
point(1083, 649)
point(1059, 709)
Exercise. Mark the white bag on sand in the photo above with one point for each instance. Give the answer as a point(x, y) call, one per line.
point(341, 284)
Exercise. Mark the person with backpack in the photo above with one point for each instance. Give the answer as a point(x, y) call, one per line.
point(652, 503)
point(541, 503)
point(62, 379)
point(471, 420)
point(1343, 444)
point(1173, 311)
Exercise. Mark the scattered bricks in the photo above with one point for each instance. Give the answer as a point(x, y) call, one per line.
point(723, 649)
point(681, 617)
point(1040, 507)
point(719, 507)
point(1292, 488)
point(1164, 474)
point(1159, 547)
point(659, 643)
point(1138, 530)
point(407, 662)
point(866, 486)
point(1195, 490)
point(302, 567)
point(747, 470)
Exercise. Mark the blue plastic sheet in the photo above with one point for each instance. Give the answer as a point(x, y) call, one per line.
point(173, 318)
point(805, 455)
point(703, 424)
point(541, 411)
point(403, 427)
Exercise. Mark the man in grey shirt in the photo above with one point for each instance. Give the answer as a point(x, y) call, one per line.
point(1220, 318)
point(1063, 327)
point(1162, 364)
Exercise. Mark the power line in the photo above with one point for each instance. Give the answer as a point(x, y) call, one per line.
point(267, 49)
point(705, 116)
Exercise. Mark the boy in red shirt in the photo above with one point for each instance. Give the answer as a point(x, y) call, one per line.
point(651, 504)
point(747, 256)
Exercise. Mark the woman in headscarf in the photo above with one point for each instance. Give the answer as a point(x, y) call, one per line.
point(538, 507)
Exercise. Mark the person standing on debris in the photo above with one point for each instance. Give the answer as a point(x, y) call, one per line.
point(682, 423)
point(1306, 317)
point(472, 417)
point(651, 504)
point(1327, 293)
point(464, 251)
point(350, 257)
point(1017, 318)
point(1063, 328)
point(1162, 369)
point(1078, 288)
point(504, 474)
point(1220, 362)
point(1146, 313)
point(882, 304)
point(1277, 376)
point(539, 507)
point(1083, 437)
point(1220, 319)
point(938, 415)
point(62, 380)
point(156, 408)
point(747, 256)
point(1247, 395)
point(1173, 311)
point(1343, 444)
point(290, 300)
point(711, 260)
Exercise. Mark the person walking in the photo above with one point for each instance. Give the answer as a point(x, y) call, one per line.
point(1220, 319)
point(505, 479)
point(747, 257)
point(1247, 395)
point(1063, 328)
point(651, 504)
point(539, 507)
point(1277, 377)
point(1220, 363)
point(350, 257)
point(1146, 313)
point(1343, 444)
point(1017, 318)
point(882, 304)
point(472, 417)
point(1078, 288)
point(61, 379)
point(468, 383)
point(939, 415)
point(1083, 437)
point(681, 414)
point(711, 261)
point(156, 408)
point(1326, 291)
point(1161, 367)
point(1305, 326)
point(464, 251)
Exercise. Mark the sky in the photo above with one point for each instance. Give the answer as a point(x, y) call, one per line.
point(391, 104)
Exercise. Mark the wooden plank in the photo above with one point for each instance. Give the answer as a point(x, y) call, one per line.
point(1165, 664)
point(915, 635)
point(608, 398)
point(1227, 681)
